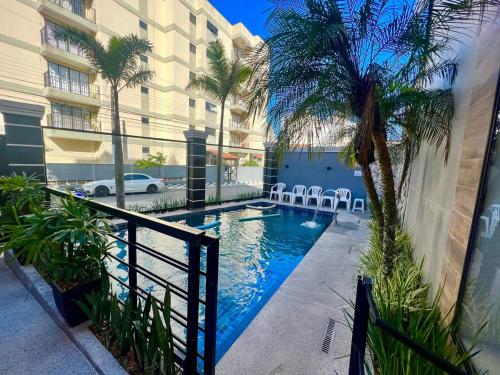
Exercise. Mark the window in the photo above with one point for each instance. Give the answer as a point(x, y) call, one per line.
point(211, 107)
point(192, 127)
point(192, 18)
point(67, 79)
point(145, 149)
point(70, 117)
point(145, 120)
point(144, 59)
point(143, 25)
point(210, 131)
point(212, 28)
point(192, 76)
point(144, 90)
point(49, 38)
point(127, 177)
point(192, 48)
point(481, 301)
point(192, 102)
point(137, 177)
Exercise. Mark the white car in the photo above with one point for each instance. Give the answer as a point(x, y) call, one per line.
point(134, 183)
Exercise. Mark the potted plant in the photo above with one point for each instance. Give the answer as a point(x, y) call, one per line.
point(68, 245)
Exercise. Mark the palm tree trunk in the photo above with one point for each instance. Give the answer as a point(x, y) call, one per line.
point(376, 206)
point(118, 151)
point(219, 155)
point(405, 167)
point(390, 211)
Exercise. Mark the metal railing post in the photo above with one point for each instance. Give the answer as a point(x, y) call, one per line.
point(190, 362)
point(132, 261)
point(211, 306)
point(360, 328)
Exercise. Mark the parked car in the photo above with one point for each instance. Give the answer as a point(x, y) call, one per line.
point(134, 183)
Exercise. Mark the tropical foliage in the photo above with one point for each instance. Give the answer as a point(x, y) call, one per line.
point(367, 69)
point(118, 63)
point(404, 301)
point(226, 78)
point(141, 340)
point(157, 160)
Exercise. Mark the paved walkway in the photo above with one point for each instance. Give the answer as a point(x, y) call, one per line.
point(286, 337)
point(30, 341)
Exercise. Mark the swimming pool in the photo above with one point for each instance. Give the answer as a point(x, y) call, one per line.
point(255, 259)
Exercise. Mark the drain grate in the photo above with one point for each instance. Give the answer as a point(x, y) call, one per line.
point(327, 340)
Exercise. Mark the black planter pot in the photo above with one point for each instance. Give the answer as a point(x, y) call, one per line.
point(66, 300)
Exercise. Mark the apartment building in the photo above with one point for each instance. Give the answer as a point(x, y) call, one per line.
point(37, 68)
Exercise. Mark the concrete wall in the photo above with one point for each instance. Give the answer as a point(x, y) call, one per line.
point(438, 205)
point(323, 169)
point(247, 174)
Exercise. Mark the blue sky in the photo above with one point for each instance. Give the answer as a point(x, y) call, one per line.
point(252, 13)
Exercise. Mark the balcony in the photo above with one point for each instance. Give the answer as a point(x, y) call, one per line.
point(239, 144)
point(237, 105)
point(241, 36)
point(62, 121)
point(74, 91)
point(238, 126)
point(61, 51)
point(73, 12)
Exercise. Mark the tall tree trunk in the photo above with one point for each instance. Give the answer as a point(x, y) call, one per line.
point(376, 206)
point(390, 210)
point(219, 154)
point(118, 149)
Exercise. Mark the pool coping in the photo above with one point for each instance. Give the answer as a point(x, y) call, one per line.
point(286, 336)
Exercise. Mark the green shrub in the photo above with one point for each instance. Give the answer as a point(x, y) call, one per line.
point(404, 301)
point(250, 163)
point(22, 192)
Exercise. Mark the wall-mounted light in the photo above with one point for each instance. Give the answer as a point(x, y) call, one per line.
point(328, 168)
point(287, 166)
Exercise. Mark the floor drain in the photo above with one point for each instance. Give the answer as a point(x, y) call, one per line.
point(327, 340)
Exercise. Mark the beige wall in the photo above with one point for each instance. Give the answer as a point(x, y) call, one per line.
point(169, 29)
point(440, 197)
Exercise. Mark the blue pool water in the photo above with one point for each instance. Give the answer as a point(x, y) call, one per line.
point(255, 259)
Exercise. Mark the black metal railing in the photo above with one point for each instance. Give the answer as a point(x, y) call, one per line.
point(62, 121)
point(187, 353)
point(366, 310)
point(77, 7)
point(47, 35)
point(73, 86)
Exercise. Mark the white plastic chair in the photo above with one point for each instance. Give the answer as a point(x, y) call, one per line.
point(345, 196)
point(314, 192)
point(277, 190)
point(332, 199)
point(299, 191)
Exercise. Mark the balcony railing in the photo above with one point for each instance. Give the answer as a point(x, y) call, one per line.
point(77, 7)
point(48, 38)
point(238, 124)
point(68, 85)
point(239, 144)
point(62, 121)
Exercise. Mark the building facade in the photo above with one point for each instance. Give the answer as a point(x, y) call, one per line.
point(37, 68)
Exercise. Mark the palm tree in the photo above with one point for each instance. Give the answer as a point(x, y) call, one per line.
point(225, 78)
point(118, 63)
point(366, 68)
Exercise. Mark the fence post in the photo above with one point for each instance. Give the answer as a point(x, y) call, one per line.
point(211, 306)
point(132, 261)
point(190, 362)
point(196, 173)
point(360, 328)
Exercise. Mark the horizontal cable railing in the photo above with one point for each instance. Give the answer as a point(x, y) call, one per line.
point(47, 35)
point(77, 7)
point(366, 310)
point(198, 309)
point(62, 121)
point(73, 86)
point(238, 124)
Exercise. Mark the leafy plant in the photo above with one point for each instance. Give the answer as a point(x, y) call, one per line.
point(68, 243)
point(250, 163)
point(121, 324)
point(22, 192)
point(163, 203)
point(404, 301)
point(157, 160)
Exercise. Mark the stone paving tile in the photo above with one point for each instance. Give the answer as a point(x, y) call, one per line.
point(30, 341)
point(286, 336)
